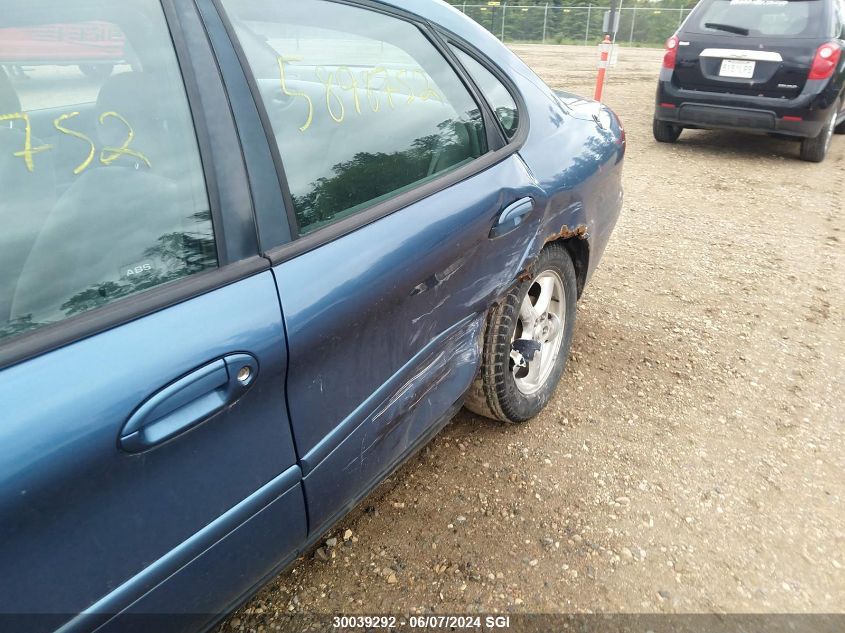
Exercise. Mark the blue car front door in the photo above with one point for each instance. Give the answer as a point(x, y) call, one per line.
point(146, 458)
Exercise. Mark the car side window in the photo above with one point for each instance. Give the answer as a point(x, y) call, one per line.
point(103, 194)
point(362, 104)
point(499, 97)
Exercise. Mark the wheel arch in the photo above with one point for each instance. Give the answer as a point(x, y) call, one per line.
point(579, 251)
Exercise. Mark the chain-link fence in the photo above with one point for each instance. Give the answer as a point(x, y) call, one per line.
point(644, 26)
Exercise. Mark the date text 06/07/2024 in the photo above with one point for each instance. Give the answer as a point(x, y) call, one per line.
point(422, 622)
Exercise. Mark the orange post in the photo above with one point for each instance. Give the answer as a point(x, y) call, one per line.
point(605, 56)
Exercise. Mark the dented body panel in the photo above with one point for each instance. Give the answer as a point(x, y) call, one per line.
point(385, 336)
point(419, 400)
point(385, 345)
point(584, 182)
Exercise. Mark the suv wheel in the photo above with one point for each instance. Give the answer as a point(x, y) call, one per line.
point(815, 149)
point(666, 132)
point(527, 342)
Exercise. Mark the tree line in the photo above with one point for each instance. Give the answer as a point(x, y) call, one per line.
point(576, 21)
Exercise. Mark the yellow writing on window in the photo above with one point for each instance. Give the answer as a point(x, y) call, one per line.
point(374, 83)
point(110, 154)
point(400, 77)
point(429, 92)
point(107, 156)
point(93, 148)
point(328, 84)
point(352, 86)
point(292, 93)
point(28, 150)
point(385, 87)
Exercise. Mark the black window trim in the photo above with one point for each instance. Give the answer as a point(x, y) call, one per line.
point(275, 153)
point(51, 337)
point(234, 224)
point(523, 121)
point(263, 178)
point(20, 348)
point(203, 142)
point(499, 146)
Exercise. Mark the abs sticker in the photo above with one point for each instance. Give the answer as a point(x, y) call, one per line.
point(133, 271)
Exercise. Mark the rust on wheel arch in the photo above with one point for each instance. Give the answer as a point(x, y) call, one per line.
point(566, 232)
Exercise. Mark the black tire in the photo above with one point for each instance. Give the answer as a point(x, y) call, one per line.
point(666, 132)
point(814, 150)
point(495, 393)
point(97, 71)
point(839, 129)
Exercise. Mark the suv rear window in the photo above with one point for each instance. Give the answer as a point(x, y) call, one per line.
point(741, 18)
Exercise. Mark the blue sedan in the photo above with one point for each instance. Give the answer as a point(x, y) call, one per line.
point(254, 255)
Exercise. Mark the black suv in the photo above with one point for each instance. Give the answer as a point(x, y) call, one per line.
point(760, 66)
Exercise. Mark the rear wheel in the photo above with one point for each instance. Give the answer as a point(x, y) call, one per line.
point(815, 149)
point(666, 132)
point(527, 342)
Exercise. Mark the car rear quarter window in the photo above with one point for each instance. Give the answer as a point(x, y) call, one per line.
point(362, 105)
point(103, 194)
point(761, 18)
point(497, 95)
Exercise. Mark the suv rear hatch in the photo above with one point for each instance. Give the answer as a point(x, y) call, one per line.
point(750, 47)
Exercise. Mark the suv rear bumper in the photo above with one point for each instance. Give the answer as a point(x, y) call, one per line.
point(802, 117)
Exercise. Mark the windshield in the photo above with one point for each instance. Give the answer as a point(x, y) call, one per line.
point(742, 18)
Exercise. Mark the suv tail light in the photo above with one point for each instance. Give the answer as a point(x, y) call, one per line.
point(825, 61)
point(671, 52)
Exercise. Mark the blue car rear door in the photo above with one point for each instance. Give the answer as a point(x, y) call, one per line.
point(146, 458)
point(412, 215)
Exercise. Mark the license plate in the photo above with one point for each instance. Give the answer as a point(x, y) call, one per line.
point(737, 68)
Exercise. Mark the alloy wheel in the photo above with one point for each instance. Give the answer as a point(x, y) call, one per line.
point(539, 333)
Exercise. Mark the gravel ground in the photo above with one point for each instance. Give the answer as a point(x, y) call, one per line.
point(692, 459)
